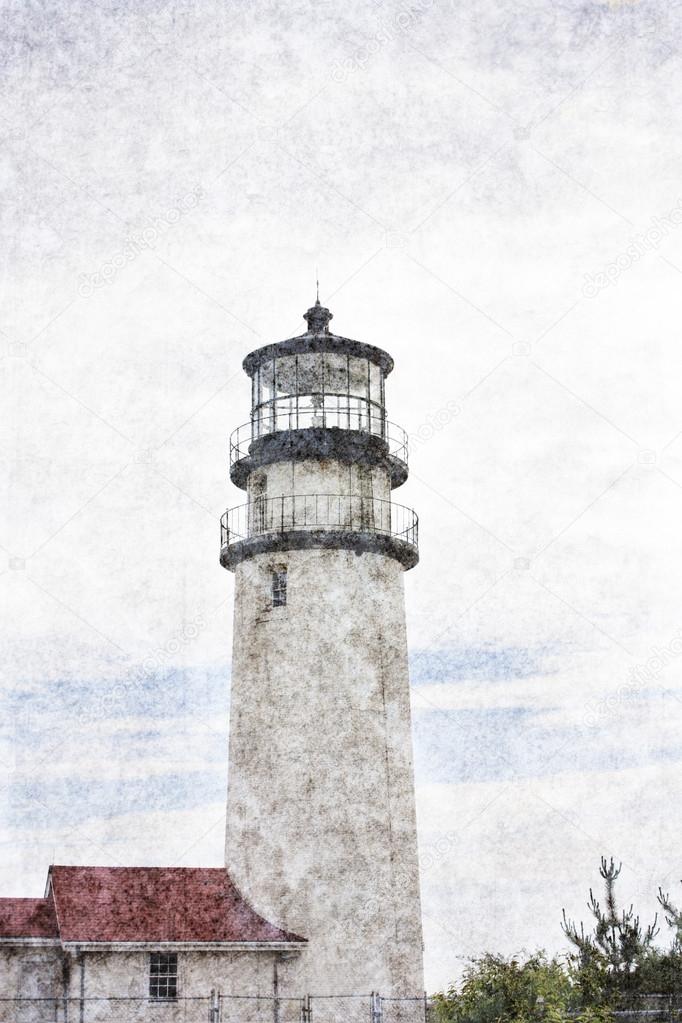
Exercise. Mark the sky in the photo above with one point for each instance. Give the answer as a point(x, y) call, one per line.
point(491, 192)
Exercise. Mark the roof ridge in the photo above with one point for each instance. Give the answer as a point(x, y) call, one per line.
point(104, 866)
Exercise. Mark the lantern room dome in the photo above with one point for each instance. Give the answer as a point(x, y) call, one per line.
point(318, 338)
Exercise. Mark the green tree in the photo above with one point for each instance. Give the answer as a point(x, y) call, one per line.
point(673, 918)
point(661, 973)
point(608, 962)
point(496, 989)
point(662, 970)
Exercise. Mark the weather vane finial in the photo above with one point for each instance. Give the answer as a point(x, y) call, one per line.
point(317, 316)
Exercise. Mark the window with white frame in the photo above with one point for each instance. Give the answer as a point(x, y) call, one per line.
point(163, 975)
point(279, 587)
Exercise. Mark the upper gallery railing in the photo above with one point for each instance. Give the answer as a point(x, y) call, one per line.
point(286, 415)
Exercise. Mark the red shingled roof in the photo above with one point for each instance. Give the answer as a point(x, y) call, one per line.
point(28, 918)
point(140, 904)
point(155, 904)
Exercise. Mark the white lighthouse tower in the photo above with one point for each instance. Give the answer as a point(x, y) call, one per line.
point(321, 832)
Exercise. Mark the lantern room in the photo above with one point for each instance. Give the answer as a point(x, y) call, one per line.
point(318, 391)
point(318, 379)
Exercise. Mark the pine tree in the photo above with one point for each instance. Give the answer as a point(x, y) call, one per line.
point(673, 918)
point(608, 959)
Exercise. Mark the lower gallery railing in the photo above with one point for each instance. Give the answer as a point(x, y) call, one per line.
point(338, 512)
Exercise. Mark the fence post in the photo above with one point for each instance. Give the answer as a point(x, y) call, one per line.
point(81, 962)
point(275, 992)
point(376, 1008)
point(214, 1014)
point(66, 977)
point(306, 1009)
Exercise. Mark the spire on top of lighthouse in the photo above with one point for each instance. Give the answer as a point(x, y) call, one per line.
point(318, 316)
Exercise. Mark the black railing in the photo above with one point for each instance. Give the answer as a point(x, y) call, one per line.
point(352, 513)
point(288, 414)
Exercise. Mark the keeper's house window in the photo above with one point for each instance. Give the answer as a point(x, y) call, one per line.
point(163, 975)
point(279, 587)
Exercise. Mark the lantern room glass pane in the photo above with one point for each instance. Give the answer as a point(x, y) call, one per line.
point(286, 374)
point(358, 414)
point(375, 383)
point(267, 381)
point(285, 414)
point(358, 382)
point(335, 373)
point(310, 373)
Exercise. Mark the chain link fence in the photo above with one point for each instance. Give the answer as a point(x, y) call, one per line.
point(218, 1008)
point(215, 1007)
point(649, 1008)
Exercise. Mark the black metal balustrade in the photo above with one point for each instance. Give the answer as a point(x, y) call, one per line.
point(337, 514)
point(287, 414)
point(292, 412)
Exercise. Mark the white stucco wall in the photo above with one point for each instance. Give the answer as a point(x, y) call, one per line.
point(322, 477)
point(29, 972)
point(115, 985)
point(321, 833)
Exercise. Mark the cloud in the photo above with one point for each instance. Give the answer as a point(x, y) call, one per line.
point(46, 804)
point(486, 663)
point(507, 743)
point(167, 693)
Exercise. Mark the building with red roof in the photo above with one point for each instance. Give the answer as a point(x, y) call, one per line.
point(149, 933)
point(139, 906)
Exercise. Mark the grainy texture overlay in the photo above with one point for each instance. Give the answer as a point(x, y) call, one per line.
point(492, 193)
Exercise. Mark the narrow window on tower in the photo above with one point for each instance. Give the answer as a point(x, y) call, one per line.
point(163, 976)
point(279, 587)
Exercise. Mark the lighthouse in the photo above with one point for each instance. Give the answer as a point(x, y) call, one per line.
point(321, 830)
